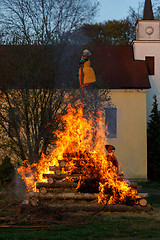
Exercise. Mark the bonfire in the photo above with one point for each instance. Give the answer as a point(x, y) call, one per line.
point(80, 159)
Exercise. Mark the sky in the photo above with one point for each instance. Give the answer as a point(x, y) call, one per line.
point(115, 9)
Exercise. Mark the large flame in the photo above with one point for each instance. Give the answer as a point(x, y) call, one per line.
point(85, 141)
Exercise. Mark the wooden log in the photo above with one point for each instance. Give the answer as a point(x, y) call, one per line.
point(25, 201)
point(34, 201)
point(43, 190)
point(134, 184)
point(89, 196)
point(65, 196)
point(33, 195)
point(54, 176)
point(62, 163)
point(75, 155)
point(57, 208)
point(50, 180)
point(54, 168)
point(60, 177)
point(58, 172)
point(77, 196)
point(37, 195)
point(142, 195)
point(142, 202)
point(56, 185)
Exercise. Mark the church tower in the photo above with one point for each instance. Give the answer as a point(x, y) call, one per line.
point(147, 47)
point(148, 28)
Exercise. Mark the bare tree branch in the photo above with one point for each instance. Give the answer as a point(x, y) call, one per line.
point(44, 21)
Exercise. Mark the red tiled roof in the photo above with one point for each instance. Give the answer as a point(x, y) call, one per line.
point(21, 65)
point(115, 67)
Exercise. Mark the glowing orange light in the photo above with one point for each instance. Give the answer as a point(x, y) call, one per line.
point(87, 138)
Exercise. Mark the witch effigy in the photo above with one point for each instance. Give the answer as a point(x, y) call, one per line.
point(86, 73)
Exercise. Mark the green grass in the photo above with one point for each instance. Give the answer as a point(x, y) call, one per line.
point(153, 200)
point(150, 185)
point(106, 227)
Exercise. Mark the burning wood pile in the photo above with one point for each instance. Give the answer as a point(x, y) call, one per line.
point(78, 174)
point(69, 183)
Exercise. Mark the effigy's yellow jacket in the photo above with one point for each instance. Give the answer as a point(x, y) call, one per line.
point(86, 74)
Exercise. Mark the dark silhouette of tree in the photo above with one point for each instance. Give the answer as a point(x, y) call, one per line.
point(36, 85)
point(153, 143)
point(30, 105)
point(43, 21)
point(7, 171)
point(109, 33)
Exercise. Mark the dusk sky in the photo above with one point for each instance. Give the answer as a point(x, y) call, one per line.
point(116, 9)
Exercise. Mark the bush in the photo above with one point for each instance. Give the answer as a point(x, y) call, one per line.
point(6, 171)
point(153, 143)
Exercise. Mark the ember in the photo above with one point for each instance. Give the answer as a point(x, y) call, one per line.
point(80, 161)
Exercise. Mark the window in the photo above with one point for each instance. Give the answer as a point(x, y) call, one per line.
point(150, 65)
point(111, 121)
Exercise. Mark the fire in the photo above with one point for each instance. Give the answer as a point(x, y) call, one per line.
point(82, 144)
point(27, 175)
point(33, 173)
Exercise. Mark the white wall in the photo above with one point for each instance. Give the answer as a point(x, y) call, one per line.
point(150, 49)
point(131, 141)
point(148, 30)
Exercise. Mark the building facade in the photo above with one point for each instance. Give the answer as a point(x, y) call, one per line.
point(147, 48)
point(127, 125)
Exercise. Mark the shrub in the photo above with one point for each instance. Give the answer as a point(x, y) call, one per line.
point(153, 143)
point(6, 171)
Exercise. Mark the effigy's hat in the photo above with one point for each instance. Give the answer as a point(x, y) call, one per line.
point(86, 53)
point(109, 147)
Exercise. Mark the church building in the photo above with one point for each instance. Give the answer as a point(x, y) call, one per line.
point(146, 47)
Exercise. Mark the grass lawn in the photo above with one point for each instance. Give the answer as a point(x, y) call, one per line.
point(119, 227)
point(103, 225)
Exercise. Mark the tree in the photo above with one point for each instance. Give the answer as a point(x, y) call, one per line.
point(7, 171)
point(32, 100)
point(29, 119)
point(43, 21)
point(153, 143)
point(30, 105)
point(110, 33)
point(137, 14)
point(115, 32)
point(157, 9)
